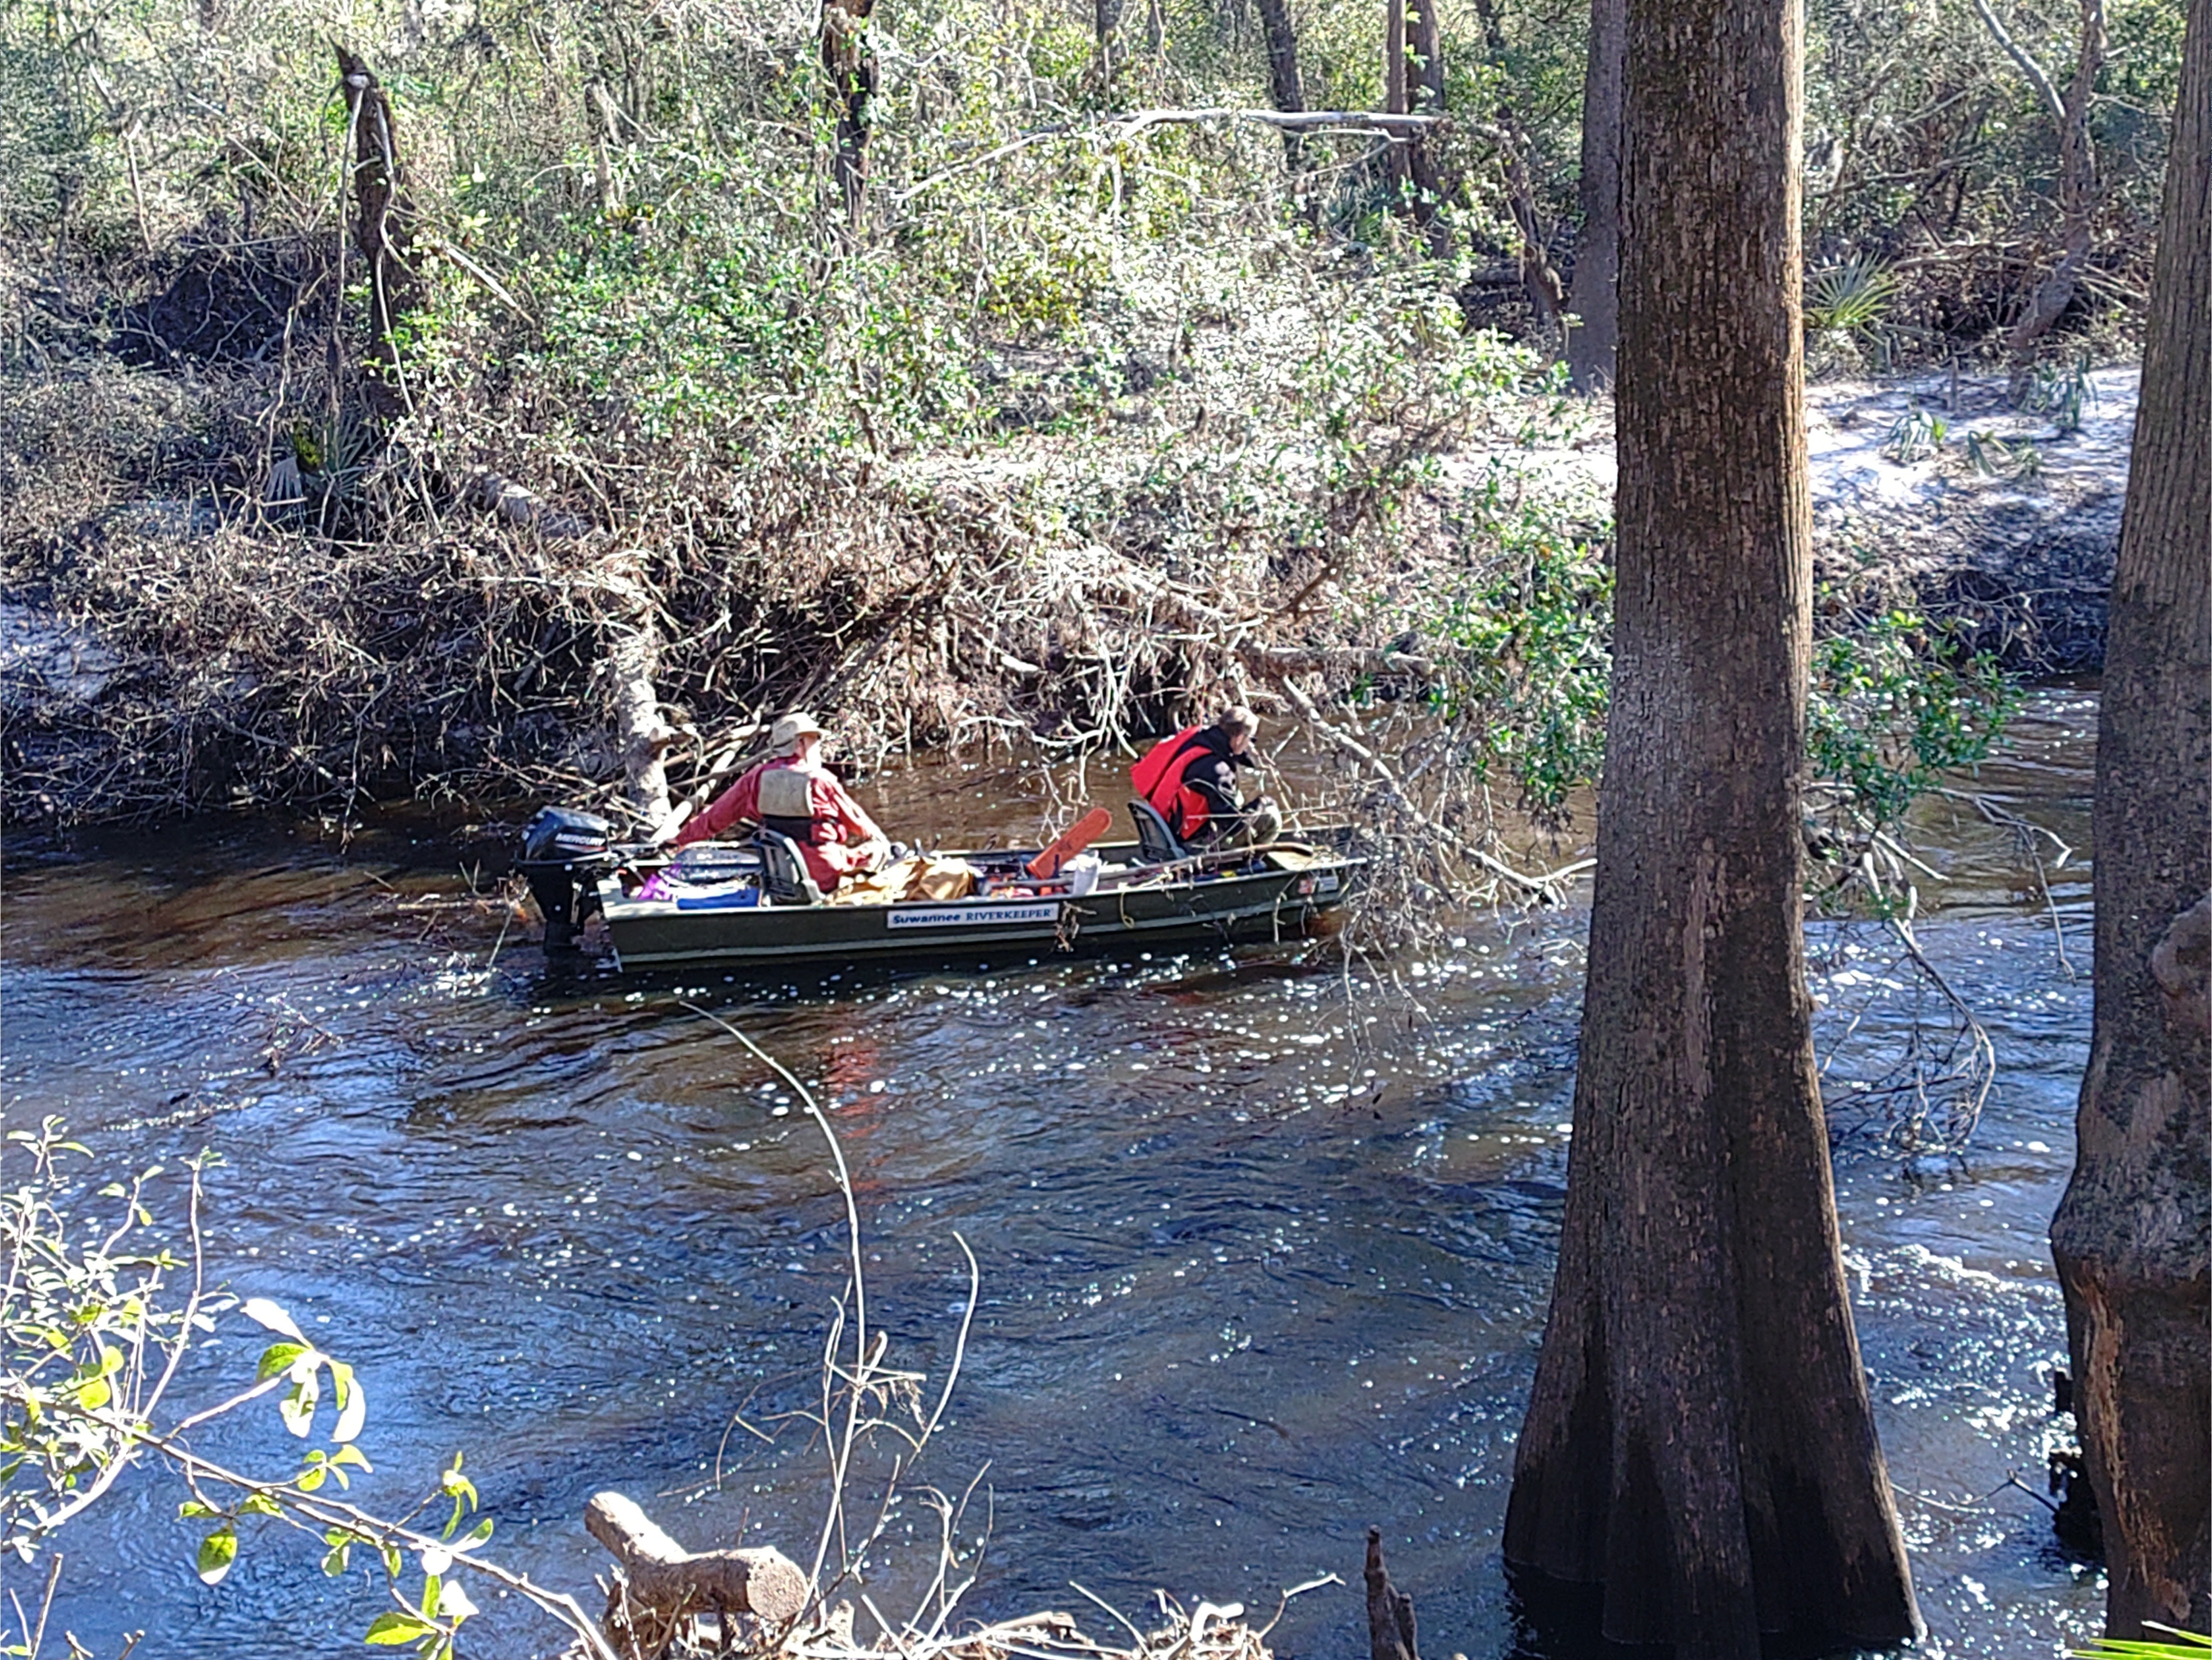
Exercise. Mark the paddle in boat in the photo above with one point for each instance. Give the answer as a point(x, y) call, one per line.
point(752, 904)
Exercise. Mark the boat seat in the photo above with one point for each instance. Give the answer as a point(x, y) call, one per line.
point(784, 872)
point(1156, 843)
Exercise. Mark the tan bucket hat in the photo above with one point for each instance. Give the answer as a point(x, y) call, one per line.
point(787, 731)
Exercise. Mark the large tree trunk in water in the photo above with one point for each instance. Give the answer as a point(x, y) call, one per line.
point(1593, 298)
point(2131, 1235)
point(2077, 202)
point(382, 230)
point(849, 62)
point(1700, 1439)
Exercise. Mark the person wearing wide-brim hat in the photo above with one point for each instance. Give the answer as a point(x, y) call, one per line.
point(793, 794)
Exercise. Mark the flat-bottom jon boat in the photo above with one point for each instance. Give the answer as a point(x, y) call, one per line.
point(750, 906)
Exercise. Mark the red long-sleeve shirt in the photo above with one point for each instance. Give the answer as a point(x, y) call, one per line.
point(838, 824)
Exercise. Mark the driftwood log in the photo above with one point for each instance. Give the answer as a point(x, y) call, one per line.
point(1390, 1634)
point(661, 1584)
point(632, 658)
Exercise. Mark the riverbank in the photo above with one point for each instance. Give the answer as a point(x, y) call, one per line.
point(1999, 523)
point(464, 640)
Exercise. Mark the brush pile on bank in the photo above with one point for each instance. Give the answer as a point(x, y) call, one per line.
point(973, 474)
point(420, 625)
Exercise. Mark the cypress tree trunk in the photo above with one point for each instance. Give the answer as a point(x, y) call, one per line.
point(1413, 83)
point(1700, 1440)
point(2131, 1238)
point(1593, 298)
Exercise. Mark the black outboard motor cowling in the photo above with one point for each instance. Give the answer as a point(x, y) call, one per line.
point(564, 854)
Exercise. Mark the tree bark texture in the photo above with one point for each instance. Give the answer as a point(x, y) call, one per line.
point(1593, 298)
point(381, 230)
point(1105, 22)
point(1391, 1631)
point(2077, 202)
point(2134, 1231)
point(1283, 86)
point(665, 1585)
point(1413, 84)
point(1394, 84)
point(848, 61)
point(632, 659)
point(1700, 1440)
point(1424, 94)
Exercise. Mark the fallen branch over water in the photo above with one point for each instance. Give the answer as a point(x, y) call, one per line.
point(1545, 889)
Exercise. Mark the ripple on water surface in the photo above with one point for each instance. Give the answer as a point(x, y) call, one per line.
point(1261, 1265)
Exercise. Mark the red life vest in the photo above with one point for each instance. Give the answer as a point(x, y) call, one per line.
point(1158, 779)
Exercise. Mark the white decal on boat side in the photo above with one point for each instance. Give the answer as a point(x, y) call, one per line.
point(941, 916)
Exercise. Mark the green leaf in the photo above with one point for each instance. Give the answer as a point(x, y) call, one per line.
point(350, 1454)
point(260, 1504)
point(93, 1394)
point(218, 1552)
point(193, 1507)
point(392, 1631)
point(278, 1357)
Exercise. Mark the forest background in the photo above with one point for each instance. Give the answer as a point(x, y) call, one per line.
point(945, 365)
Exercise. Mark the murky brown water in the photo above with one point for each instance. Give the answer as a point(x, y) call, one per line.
point(1262, 1263)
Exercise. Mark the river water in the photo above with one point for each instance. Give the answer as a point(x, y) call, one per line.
point(1264, 1246)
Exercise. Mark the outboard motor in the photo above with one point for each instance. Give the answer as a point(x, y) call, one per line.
point(564, 854)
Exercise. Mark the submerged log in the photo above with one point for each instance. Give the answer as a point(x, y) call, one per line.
point(1390, 1634)
point(664, 1584)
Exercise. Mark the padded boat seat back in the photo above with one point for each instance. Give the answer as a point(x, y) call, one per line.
point(1156, 843)
point(784, 872)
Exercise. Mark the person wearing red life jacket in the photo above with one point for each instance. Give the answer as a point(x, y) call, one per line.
point(793, 794)
point(1190, 779)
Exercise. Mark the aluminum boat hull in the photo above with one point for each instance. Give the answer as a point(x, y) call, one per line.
point(1143, 908)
